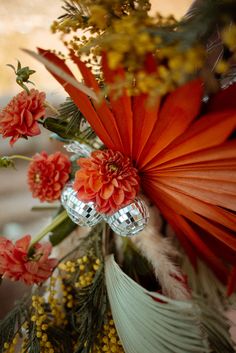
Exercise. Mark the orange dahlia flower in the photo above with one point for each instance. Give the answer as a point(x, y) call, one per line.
point(186, 160)
point(48, 174)
point(17, 265)
point(19, 117)
point(108, 179)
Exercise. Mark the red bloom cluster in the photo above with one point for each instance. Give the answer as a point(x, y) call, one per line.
point(48, 174)
point(17, 265)
point(108, 179)
point(19, 117)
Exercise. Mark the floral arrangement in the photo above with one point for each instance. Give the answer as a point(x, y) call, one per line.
point(144, 234)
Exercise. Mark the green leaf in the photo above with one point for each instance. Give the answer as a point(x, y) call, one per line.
point(60, 339)
point(59, 127)
point(62, 231)
point(12, 323)
point(148, 322)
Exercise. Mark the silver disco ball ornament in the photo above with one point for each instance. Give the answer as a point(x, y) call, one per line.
point(68, 189)
point(79, 212)
point(130, 219)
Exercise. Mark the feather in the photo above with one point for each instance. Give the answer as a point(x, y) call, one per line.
point(161, 254)
point(205, 284)
point(148, 322)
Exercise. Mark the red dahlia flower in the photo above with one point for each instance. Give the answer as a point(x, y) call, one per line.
point(17, 265)
point(19, 117)
point(186, 160)
point(48, 174)
point(108, 179)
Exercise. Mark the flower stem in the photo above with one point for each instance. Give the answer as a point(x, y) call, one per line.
point(55, 222)
point(51, 107)
point(19, 156)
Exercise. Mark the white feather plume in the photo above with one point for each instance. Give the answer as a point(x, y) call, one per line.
point(162, 255)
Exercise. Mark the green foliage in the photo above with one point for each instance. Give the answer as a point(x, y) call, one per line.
point(70, 124)
point(60, 339)
point(63, 230)
point(73, 10)
point(79, 12)
point(32, 344)
point(70, 112)
point(202, 21)
point(13, 322)
point(88, 315)
point(22, 75)
point(6, 162)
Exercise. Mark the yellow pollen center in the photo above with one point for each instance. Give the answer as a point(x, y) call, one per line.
point(37, 178)
point(113, 167)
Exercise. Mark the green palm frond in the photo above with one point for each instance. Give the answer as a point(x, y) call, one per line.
point(148, 322)
point(217, 327)
point(70, 124)
point(69, 112)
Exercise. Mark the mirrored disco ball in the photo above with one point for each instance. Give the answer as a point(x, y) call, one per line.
point(80, 212)
point(79, 149)
point(67, 190)
point(130, 219)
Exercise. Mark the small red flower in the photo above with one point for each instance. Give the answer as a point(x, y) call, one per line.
point(19, 117)
point(48, 174)
point(108, 179)
point(17, 265)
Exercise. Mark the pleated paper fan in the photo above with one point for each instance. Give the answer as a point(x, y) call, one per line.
point(186, 161)
point(148, 322)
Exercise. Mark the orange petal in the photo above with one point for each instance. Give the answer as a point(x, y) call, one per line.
point(95, 183)
point(118, 196)
point(107, 191)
